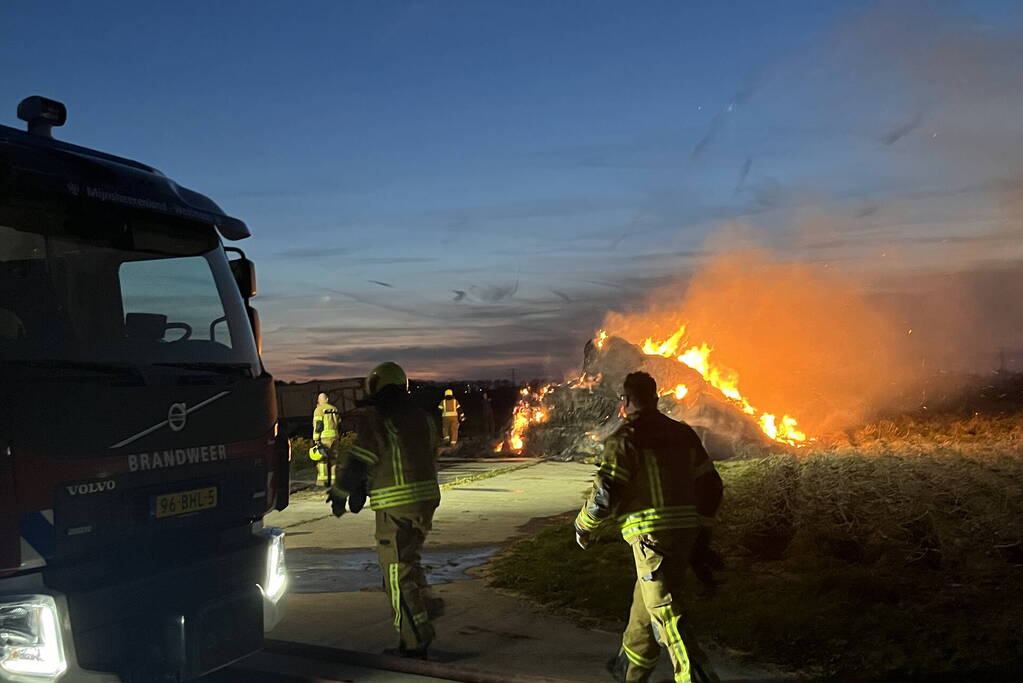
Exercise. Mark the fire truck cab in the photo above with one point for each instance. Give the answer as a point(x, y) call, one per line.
point(138, 427)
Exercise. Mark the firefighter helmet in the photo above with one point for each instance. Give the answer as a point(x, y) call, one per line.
point(386, 374)
point(317, 452)
point(448, 392)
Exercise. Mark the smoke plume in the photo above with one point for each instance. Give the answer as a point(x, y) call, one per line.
point(804, 340)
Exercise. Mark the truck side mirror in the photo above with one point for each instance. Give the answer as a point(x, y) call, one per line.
point(244, 272)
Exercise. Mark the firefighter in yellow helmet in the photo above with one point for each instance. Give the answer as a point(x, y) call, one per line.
point(451, 417)
point(324, 434)
point(658, 483)
point(393, 460)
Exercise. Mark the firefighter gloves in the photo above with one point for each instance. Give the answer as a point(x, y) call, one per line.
point(337, 500)
point(357, 501)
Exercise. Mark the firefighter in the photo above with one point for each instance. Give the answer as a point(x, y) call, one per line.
point(450, 416)
point(658, 482)
point(393, 461)
point(324, 434)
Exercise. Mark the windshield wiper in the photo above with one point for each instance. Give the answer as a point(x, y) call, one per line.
point(219, 368)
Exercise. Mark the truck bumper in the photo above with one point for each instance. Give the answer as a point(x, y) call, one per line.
point(173, 625)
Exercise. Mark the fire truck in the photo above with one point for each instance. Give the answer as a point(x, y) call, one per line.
point(138, 428)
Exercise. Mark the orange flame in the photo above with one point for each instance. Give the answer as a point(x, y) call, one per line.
point(724, 380)
point(584, 381)
point(529, 410)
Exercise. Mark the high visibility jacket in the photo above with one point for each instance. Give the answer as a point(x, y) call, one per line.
point(450, 407)
point(393, 458)
point(325, 422)
point(655, 476)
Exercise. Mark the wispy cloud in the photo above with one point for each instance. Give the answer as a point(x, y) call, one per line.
point(313, 252)
point(395, 260)
point(890, 140)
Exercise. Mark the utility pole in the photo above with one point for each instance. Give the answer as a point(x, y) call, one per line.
point(513, 377)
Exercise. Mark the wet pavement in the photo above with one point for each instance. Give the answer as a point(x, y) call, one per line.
point(326, 570)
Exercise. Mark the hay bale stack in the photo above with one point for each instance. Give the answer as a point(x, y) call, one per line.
point(581, 415)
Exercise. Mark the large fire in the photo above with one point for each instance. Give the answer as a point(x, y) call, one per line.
point(531, 410)
point(786, 430)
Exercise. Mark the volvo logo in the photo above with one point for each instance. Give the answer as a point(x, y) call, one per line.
point(94, 487)
point(177, 416)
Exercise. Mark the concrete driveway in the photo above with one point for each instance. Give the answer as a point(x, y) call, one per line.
point(336, 599)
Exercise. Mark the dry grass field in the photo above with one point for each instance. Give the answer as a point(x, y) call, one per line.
point(894, 550)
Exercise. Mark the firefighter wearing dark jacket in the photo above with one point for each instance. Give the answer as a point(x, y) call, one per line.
point(657, 482)
point(393, 461)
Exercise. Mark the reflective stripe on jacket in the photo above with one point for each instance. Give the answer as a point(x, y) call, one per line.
point(656, 476)
point(449, 407)
point(393, 457)
point(325, 422)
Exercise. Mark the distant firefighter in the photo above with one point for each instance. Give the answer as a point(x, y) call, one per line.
point(451, 416)
point(658, 483)
point(393, 462)
point(324, 437)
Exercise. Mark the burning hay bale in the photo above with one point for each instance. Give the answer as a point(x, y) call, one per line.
point(569, 421)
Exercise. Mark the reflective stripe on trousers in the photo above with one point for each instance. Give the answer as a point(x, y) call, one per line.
point(394, 584)
point(400, 539)
point(662, 562)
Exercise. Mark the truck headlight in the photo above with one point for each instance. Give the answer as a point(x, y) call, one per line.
point(30, 642)
point(276, 580)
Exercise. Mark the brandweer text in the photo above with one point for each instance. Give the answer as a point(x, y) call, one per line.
point(142, 462)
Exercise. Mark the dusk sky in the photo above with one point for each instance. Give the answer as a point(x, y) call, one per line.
point(469, 187)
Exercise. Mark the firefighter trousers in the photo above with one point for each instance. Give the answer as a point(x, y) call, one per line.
point(450, 425)
point(662, 561)
point(400, 535)
point(323, 465)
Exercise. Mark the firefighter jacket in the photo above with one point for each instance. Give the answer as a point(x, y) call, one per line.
point(656, 476)
point(394, 456)
point(450, 407)
point(325, 422)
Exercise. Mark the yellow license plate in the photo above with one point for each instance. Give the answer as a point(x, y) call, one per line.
point(184, 502)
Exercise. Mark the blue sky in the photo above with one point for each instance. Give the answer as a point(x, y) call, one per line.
point(507, 172)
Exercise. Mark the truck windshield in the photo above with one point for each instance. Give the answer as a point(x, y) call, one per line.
point(143, 298)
